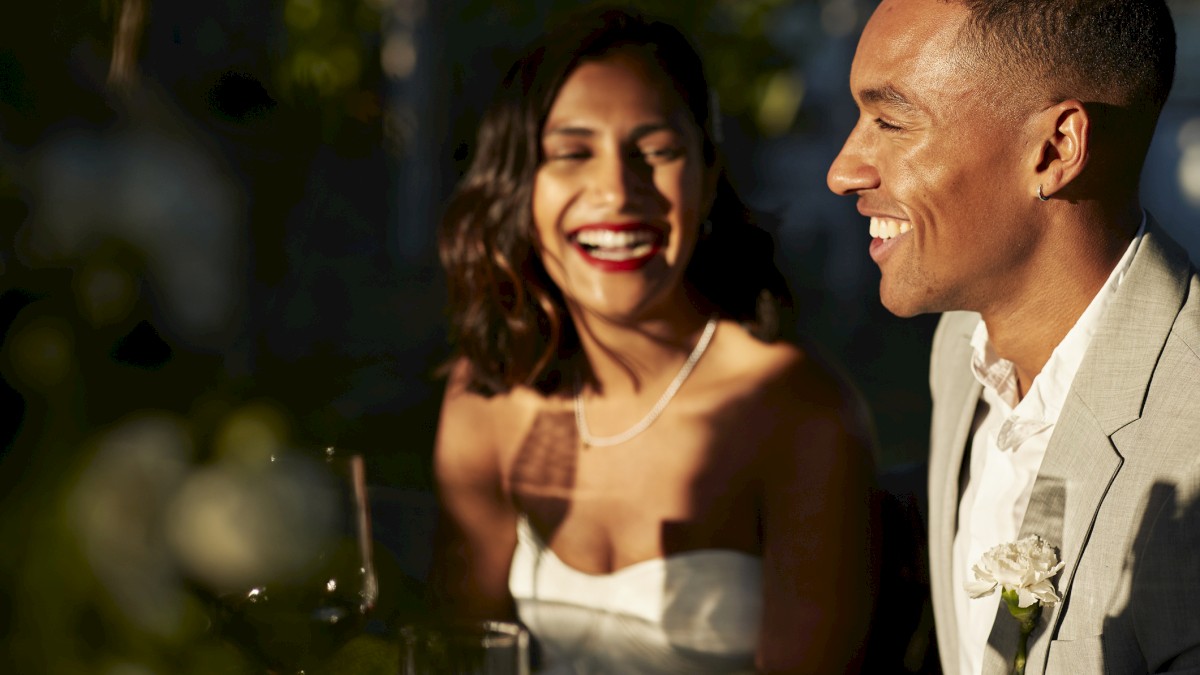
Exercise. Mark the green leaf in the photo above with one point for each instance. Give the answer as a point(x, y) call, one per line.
point(364, 655)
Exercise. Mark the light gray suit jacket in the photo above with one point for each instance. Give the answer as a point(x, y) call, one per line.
point(1118, 492)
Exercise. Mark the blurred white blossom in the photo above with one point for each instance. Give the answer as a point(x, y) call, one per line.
point(234, 525)
point(159, 194)
point(117, 509)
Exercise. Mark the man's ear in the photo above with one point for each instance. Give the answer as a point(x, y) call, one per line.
point(1064, 145)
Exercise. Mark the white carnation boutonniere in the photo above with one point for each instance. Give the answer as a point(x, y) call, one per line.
point(1021, 570)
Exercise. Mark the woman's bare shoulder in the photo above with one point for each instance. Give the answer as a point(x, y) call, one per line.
point(781, 372)
point(476, 427)
point(792, 396)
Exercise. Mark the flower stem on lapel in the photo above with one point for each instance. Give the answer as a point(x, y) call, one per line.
point(1027, 617)
point(1022, 571)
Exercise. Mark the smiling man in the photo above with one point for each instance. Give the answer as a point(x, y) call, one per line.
point(997, 156)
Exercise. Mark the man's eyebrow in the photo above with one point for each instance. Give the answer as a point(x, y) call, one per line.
point(887, 95)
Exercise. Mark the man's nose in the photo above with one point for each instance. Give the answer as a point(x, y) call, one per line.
point(851, 170)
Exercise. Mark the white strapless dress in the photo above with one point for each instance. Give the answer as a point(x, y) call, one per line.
point(693, 612)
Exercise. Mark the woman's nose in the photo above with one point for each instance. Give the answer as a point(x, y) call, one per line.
point(615, 181)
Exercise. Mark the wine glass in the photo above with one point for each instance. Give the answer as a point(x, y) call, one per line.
point(317, 585)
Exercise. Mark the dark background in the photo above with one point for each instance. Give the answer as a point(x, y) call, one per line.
point(219, 217)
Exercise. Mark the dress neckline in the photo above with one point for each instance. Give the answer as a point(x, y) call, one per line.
point(634, 567)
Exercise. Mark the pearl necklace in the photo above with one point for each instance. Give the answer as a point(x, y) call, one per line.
point(589, 440)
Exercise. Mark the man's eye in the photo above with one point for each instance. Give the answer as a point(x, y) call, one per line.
point(885, 125)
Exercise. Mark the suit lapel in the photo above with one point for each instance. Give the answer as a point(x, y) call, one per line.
point(958, 395)
point(1079, 466)
point(1081, 461)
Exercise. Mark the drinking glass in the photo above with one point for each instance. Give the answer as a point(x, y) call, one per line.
point(467, 648)
point(292, 619)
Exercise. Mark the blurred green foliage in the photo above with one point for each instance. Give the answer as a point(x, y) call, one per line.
point(112, 400)
point(330, 47)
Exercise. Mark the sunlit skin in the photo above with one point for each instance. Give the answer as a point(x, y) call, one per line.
point(620, 153)
point(926, 151)
point(937, 151)
point(756, 453)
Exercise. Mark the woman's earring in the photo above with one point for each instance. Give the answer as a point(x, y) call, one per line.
point(1041, 195)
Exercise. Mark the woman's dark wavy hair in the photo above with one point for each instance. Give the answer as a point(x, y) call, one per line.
point(508, 319)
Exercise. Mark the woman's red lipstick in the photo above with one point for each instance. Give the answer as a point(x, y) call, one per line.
point(617, 247)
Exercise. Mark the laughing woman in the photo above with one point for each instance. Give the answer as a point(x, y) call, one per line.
point(628, 459)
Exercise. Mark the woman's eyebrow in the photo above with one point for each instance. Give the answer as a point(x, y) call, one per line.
point(573, 130)
point(568, 130)
point(646, 129)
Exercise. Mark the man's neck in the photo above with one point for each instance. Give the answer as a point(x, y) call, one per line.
point(1028, 338)
point(1027, 331)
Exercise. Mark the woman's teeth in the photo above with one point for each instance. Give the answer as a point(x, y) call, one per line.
point(617, 244)
point(621, 253)
point(889, 228)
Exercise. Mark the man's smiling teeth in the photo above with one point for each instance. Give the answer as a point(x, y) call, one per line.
point(617, 244)
point(888, 228)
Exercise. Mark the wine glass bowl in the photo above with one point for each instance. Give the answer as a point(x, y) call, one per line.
point(291, 573)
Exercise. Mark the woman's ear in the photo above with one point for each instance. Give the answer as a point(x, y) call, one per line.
point(1064, 146)
point(712, 177)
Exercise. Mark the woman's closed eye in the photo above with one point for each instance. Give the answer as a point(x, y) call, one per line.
point(661, 154)
point(573, 154)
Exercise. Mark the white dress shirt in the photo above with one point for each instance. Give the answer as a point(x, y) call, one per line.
point(1008, 441)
